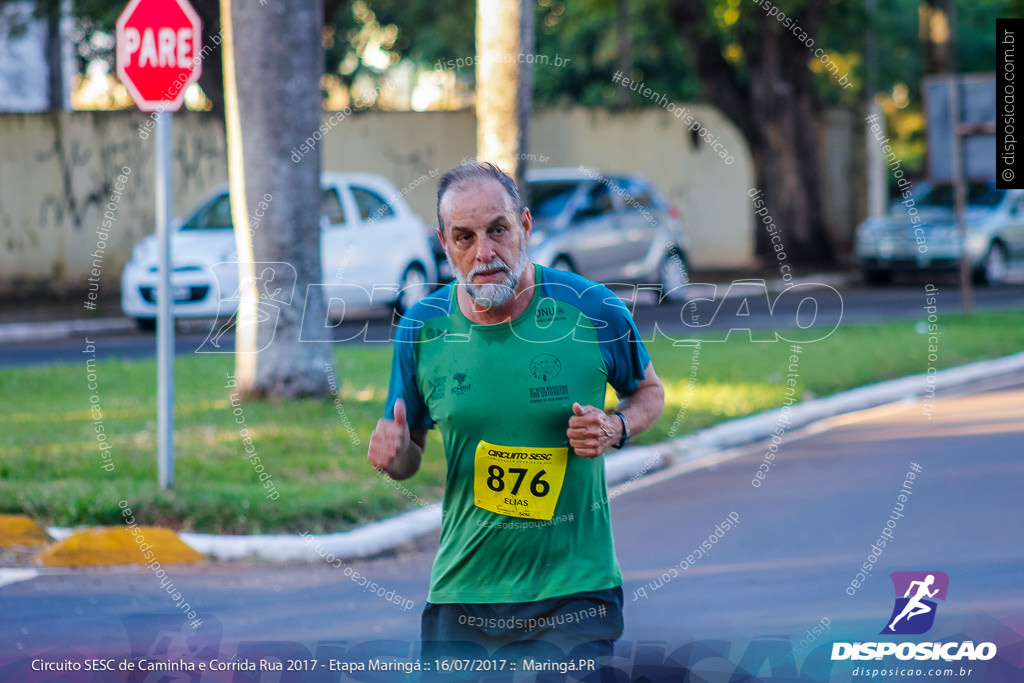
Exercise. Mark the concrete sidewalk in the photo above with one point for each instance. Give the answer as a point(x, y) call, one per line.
point(698, 450)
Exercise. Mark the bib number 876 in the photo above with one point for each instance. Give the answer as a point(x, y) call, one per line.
point(496, 481)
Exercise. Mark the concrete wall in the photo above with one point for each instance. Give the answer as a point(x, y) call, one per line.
point(711, 193)
point(844, 181)
point(58, 175)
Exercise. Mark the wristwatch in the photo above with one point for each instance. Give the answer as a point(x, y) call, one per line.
point(625, 430)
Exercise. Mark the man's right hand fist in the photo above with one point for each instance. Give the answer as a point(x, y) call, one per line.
point(389, 440)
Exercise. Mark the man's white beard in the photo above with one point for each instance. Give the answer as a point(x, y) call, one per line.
point(493, 294)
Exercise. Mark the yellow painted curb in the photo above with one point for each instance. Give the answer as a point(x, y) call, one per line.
point(118, 545)
point(19, 530)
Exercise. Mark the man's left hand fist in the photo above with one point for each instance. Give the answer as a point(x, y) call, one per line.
point(591, 432)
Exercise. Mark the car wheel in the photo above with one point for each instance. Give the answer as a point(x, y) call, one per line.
point(877, 277)
point(993, 268)
point(673, 275)
point(563, 264)
point(146, 324)
point(412, 288)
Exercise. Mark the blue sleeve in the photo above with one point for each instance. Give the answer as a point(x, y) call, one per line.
point(404, 382)
point(624, 354)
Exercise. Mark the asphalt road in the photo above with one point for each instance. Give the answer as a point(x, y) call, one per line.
point(714, 311)
point(751, 603)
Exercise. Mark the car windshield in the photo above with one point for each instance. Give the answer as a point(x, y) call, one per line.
point(979, 195)
point(549, 198)
point(214, 215)
point(638, 194)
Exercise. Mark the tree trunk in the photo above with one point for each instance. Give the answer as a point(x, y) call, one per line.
point(787, 148)
point(272, 66)
point(935, 19)
point(211, 80)
point(504, 86)
point(524, 98)
point(56, 86)
point(625, 46)
point(776, 111)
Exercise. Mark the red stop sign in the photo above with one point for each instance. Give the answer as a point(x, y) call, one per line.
point(158, 52)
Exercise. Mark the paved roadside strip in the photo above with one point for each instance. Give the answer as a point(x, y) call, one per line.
point(707, 447)
point(61, 329)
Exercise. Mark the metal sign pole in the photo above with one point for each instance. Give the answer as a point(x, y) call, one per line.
point(165, 302)
point(960, 194)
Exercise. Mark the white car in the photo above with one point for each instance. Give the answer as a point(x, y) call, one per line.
point(369, 239)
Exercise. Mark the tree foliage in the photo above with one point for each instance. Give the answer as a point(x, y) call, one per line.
point(585, 32)
point(731, 53)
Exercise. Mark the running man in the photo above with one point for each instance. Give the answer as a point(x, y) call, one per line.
point(262, 315)
point(511, 361)
point(914, 606)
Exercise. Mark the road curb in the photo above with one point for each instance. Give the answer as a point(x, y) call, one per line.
point(21, 531)
point(372, 539)
point(758, 427)
point(92, 546)
point(101, 546)
point(631, 464)
point(60, 329)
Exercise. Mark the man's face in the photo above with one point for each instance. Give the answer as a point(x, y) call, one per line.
point(484, 240)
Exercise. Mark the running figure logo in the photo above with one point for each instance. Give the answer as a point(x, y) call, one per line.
point(914, 612)
point(270, 299)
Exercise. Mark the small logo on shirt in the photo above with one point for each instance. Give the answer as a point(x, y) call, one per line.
point(548, 394)
point(545, 367)
point(460, 379)
point(547, 312)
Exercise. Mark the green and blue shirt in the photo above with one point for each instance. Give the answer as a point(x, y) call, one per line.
point(523, 516)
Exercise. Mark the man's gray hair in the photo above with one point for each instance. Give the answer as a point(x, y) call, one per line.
point(476, 171)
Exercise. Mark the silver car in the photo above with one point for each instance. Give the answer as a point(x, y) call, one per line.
point(928, 240)
point(613, 228)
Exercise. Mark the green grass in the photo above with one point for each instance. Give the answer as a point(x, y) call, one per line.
point(50, 462)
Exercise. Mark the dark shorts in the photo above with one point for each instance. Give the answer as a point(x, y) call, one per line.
point(581, 625)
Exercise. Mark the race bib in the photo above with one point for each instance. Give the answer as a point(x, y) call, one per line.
point(517, 481)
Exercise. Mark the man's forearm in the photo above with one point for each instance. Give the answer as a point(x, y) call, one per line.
point(642, 407)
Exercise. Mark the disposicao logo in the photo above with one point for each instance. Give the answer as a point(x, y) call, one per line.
point(913, 614)
point(914, 611)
